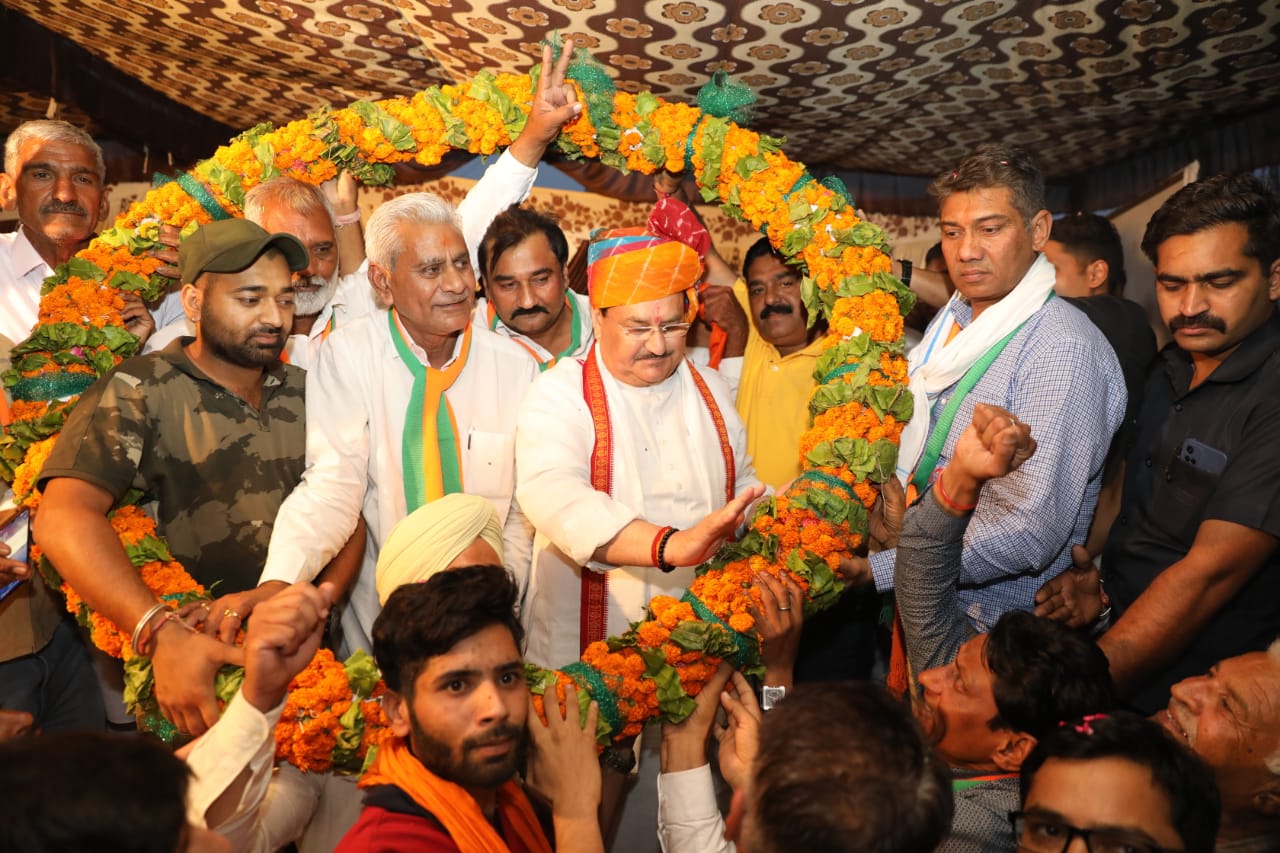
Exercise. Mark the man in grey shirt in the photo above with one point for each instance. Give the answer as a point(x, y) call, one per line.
point(983, 699)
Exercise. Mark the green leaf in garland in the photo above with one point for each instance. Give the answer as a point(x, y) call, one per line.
point(138, 684)
point(227, 682)
point(266, 159)
point(362, 673)
point(80, 268)
point(227, 182)
point(674, 705)
point(455, 130)
point(796, 240)
point(771, 144)
point(146, 550)
point(129, 281)
point(346, 749)
point(102, 360)
point(396, 132)
point(749, 165)
point(707, 637)
point(646, 102)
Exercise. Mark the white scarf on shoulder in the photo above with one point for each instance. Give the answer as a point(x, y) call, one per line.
point(935, 364)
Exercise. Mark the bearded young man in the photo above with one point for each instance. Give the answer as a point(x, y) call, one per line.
point(210, 430)
point(449, 650)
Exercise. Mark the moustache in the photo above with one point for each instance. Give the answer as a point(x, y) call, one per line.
point(529, 312)
point(1203, 320)
point(498, 734)
point(769, 310)
point(265, 330)
point(63, 207)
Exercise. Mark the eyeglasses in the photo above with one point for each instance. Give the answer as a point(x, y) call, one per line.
point(1040, 834)
point(667, 330)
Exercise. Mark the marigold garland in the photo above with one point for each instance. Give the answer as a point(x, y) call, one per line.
point(333, 717)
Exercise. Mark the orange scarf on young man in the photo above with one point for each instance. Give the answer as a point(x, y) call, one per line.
point(456, 809)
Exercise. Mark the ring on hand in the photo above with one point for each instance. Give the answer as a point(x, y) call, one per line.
point(206, 606)
point(231, 613)
point(784, 608)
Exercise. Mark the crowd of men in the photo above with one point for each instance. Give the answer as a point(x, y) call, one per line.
point(350, 448)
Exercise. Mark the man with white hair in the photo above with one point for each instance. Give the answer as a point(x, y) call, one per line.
point(1230, 717)
point(404, 406)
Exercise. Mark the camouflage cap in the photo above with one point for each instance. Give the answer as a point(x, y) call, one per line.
point(232, 245)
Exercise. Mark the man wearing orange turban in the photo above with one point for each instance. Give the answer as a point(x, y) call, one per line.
point(630, 462)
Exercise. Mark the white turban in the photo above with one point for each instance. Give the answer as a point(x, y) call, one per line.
point(432, 537)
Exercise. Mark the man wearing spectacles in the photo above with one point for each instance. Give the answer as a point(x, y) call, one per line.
point(1119, 784)
point(631, 463)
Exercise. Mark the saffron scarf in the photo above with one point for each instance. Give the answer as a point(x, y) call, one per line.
point(431, 456)
point(456, 809)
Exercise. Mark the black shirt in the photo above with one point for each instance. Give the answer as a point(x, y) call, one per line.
point(1125, 326)
point(1212, 452)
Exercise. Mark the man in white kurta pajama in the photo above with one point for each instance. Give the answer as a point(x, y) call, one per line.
point(613, 451)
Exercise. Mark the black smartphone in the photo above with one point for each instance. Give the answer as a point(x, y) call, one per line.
point(1202, 457)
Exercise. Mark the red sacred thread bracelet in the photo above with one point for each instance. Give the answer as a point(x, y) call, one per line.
point(655, 550)
point(946, 499)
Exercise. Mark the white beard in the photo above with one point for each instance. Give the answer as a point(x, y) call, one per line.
point(306, 304)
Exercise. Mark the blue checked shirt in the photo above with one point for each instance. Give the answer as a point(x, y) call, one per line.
point(1059, 376)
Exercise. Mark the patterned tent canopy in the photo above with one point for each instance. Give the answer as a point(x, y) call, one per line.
point(899, 88)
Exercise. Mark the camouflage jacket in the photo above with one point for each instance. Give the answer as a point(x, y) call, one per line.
point(212, 469)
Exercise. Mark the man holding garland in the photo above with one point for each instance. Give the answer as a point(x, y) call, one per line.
point(632, 463)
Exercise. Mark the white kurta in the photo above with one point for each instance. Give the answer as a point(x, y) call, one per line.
point(667, 469)
point(275, 808)
point(22, 272)
point(357, 396)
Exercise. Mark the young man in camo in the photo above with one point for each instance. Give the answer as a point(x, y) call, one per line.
point(210, 431)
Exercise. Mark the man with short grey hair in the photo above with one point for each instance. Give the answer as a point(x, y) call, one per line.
point(53, 176)
point(404, 406)
point(411, 402)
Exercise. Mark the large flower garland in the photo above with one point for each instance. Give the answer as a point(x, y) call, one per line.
point(859, 406)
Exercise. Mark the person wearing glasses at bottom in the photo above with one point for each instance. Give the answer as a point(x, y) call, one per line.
point(1115, 783)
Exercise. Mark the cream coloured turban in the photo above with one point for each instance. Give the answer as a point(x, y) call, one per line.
point(432, 537)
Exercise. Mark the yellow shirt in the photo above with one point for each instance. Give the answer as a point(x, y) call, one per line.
point(773, 400)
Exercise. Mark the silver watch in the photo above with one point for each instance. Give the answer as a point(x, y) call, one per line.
point(770, 696)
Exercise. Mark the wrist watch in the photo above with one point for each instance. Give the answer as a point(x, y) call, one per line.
point(771, 696)
point(619, 758)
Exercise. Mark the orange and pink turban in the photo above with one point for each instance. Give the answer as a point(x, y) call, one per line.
point(626, 266)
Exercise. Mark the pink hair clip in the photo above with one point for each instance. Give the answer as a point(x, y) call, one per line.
point(1084, 727)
